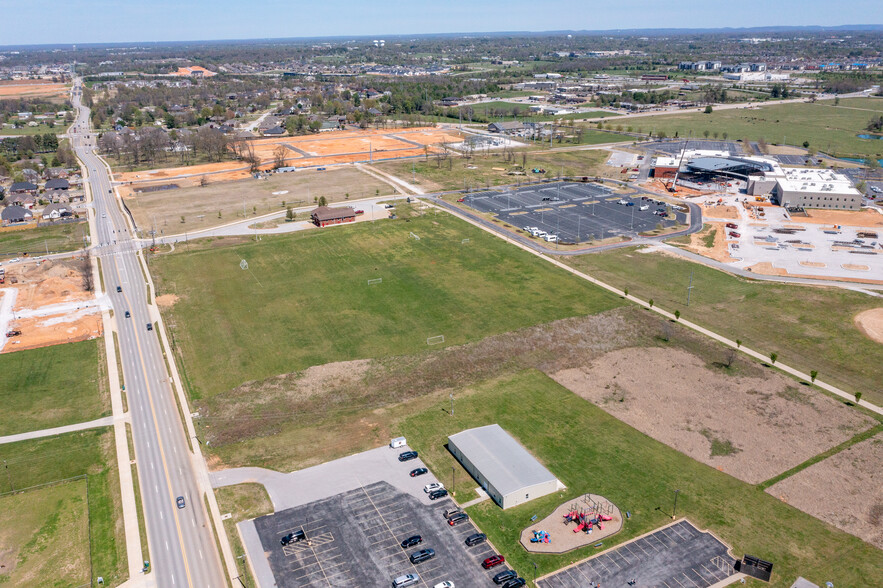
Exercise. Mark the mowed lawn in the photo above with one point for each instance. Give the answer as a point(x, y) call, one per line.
point(51, 387)
point(810, 328)
point(828, 128)
point(591, 451)
point(305, 300)
point(54, 525)
point(36, 241)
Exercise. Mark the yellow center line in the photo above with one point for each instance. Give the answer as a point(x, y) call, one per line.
point(158, 436)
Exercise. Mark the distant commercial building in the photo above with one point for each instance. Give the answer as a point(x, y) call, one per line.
point(504, 469)
point(816, 188)
point(326, 215)
point(506, 127)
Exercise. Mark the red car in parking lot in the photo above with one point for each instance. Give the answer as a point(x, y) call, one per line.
point(492, 561)
point(732, 226)
point(734, 234)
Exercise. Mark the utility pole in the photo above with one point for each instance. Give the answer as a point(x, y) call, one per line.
point(453, 478)
point(690, 288)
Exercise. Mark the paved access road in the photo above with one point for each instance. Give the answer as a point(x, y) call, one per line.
point(183, 552)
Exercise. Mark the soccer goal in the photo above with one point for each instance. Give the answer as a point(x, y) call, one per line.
point(464, 241)
point(243, 265)
point(435, 340)
point(375, 281)
point(415, 236)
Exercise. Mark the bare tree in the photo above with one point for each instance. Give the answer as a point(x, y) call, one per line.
point(86, 269)
point(279, 156)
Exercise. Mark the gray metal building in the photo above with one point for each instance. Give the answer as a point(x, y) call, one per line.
point(502, 467)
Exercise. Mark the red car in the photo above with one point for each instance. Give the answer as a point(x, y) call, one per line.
point(360, 212)
point(461, 199)
point(732, 226)
point(492, 561)
point(734, 234)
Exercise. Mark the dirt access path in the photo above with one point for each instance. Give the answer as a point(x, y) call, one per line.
point(750, 426)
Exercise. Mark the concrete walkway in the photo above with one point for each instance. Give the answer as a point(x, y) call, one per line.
point(102, 422)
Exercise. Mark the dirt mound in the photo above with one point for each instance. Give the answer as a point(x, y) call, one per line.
point(870, 322)
point(53, 330)
point(166, 300)
point(48, 283)
point(750, 427)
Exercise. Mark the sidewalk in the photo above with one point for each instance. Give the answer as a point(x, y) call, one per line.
point(103, 422)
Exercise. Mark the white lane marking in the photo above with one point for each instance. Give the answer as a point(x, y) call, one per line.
point(167, 545)
point(200, 554)
point(161, 515)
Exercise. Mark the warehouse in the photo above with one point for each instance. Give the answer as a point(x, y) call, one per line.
point(504, 469)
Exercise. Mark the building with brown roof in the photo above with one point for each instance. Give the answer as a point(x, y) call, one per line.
point(325, 215)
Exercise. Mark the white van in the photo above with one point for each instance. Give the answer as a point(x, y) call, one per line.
point(551, 238)
point(398, 442)
point(406, 580)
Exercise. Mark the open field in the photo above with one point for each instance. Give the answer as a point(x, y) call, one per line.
point(289, 311)
point(50, 459)
point(484, 171)
point(201, 205)
point(51, 387)
point(828, 128)
point(36, 240)
point(44, 536)
point(40, 129)
point(31, 89)
point(591, 451)
point(844, 490)
point(810, 328)
point(646, 388)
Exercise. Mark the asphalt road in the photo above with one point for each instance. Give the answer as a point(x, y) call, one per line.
point(182, 547)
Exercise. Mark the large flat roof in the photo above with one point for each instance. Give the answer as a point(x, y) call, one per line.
point(505, 464)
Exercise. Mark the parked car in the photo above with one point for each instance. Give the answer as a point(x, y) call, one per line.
point(516, 583)
point(295, 537)
point(445, 584)
point(418, 472)
point(732, 226)
point(493, 561)
point(432, 487)
point(406, 580)
point(475, 539)
point(551, 238)
point(451, 512)
point(734, 234)
point(505, 576)
point(461, 200)
point(644, 207)
point(407, 455)
point(422, 555)
point(436, 494)
point(180, 502)
point(458, 518)
point(412, 541)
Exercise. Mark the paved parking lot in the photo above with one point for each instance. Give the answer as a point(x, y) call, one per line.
point(676, 556)
point(574, 211)
point(354, 540)
point(675, 147)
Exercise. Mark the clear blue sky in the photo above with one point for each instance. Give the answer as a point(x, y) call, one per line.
point(102, 21)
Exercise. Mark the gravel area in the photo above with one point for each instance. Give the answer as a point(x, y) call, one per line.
point(753, 428)
point(845, 490)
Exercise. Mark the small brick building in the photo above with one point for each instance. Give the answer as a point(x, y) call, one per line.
point(325, 215)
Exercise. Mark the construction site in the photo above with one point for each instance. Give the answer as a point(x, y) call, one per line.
point(47, 302)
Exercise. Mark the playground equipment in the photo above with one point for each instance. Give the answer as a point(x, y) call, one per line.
point(540, 537)
point(588, 516)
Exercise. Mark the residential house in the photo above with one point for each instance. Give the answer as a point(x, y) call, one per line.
point(56, 211)
point(276, 131)
point(23, 188)
point(15, 214)
point(57, 184)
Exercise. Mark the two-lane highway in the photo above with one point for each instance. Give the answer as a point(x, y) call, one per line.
point(183, 551)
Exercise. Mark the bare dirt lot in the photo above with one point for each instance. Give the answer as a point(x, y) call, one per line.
point(845, 490)
point(752, 427)
point(870, 322)
point(849, 218)
point(52, 282)
point(200, 205)
point(31, 89)
point(719, 250)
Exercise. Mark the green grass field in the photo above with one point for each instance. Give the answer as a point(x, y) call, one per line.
point(51, 387)
point(45, 536)
point(590, 451)
point(305, 299)
point(55, 238)
point(431, 175)
point(41, 129)
point(810, 328)
point(41, 461)
point(828, 128)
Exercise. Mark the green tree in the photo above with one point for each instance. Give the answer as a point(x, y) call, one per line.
point(773, 357)
point(289, 214)
point(812, 376)
point(709, 109)
point(858, 397)
point(323, 201)
point(677, 315)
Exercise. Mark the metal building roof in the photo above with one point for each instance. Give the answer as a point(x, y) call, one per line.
point(505, 464)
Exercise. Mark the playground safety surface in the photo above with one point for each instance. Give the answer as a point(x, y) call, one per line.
point(674, 556)
point(563, 537)
point(354, 540)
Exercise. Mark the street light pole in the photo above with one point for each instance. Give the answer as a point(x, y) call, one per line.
point(675, 509)
point(452, 404)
